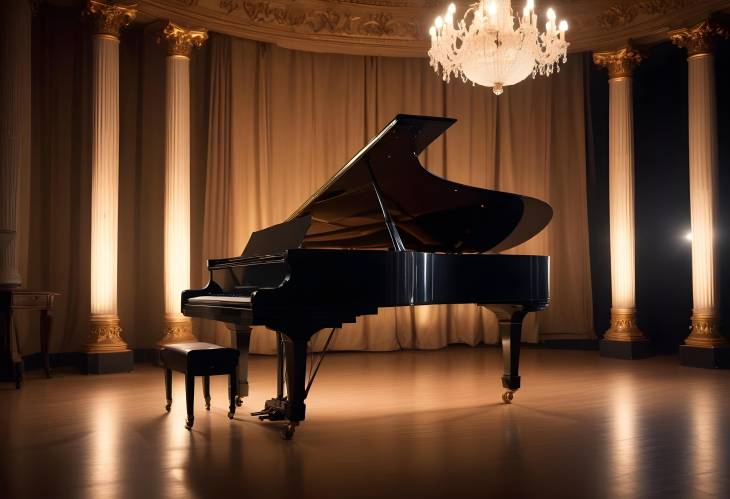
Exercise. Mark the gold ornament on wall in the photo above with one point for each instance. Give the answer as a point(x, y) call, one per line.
point(620, 63)
point(180, 41)
point(109, 18)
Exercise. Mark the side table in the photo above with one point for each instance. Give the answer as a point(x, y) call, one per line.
point(12, 300)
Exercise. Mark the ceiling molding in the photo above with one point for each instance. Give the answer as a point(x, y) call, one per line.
point(400, 27)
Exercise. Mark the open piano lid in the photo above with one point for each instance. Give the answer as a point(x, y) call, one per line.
point(430, 213)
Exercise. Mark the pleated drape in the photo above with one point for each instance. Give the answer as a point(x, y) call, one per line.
point(282, 122)
point(268, 126)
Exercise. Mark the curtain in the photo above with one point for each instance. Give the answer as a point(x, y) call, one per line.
point(282, 122)
point(268, 127)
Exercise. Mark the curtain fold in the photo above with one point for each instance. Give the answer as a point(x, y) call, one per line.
point(268, 127)
point(283, 122)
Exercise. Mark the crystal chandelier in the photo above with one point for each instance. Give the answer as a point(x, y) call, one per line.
point(490, 47)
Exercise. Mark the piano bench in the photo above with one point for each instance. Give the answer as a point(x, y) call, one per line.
point(199, 359)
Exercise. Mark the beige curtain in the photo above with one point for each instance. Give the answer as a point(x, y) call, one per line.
point(268, 127)
point(282, 122)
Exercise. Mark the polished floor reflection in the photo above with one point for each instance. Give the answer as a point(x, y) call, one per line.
point(404, 424)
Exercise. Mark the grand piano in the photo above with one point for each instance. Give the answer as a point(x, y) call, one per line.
point(382, 232)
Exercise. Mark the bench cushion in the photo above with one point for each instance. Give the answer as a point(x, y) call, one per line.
point(199, 358)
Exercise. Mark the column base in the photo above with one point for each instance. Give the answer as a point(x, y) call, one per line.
point(177, 330)
point(708, 358)
point(628, 350)
point(108, 362)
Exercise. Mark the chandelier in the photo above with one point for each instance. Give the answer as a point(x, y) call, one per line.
point(490, 47)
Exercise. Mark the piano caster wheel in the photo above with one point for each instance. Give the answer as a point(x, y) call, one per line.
point(207, 404)
point(239, 401)
point(508, 396)
point(230, 415)
point(288, 432)
point(189, 423)
point(168, 405)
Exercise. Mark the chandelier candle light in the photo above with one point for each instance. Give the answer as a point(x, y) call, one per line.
point(491, 47)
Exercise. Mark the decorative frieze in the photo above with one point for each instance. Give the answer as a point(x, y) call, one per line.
point(621, 14)
point(109, 18)
point(328, 20)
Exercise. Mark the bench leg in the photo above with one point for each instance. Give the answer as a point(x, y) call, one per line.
point(232, 393)
point(190, 399)
point(206, 391)
point(168, 389)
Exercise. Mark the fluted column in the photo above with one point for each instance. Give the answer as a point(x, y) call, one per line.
point(623, 339)
point(180, 41)
point(705, 340)
point(15, 20)
point(105, 333)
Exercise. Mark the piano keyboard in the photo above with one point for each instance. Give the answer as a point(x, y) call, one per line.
point(220, 299)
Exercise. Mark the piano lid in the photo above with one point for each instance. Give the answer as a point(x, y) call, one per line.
point(429, 212)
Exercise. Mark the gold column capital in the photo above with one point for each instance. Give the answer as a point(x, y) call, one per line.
point(180, 40)
point(109, 18)
point(700, 38)
point(705, 331)
point(623, 326)
point(620, 63)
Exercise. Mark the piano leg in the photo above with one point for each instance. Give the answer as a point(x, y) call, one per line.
point(295, 356)
point(240, 338)
point(292, 365)
point(510, 329)
point(279, 366)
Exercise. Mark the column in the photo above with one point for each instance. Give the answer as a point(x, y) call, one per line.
point(705, 346)
point(15, 27)
point(180, 42)
point(623, 339)
point(15, 20)
point(105, 335)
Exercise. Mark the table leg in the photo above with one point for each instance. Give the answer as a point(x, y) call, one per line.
point(15, 351)
point(46, 327)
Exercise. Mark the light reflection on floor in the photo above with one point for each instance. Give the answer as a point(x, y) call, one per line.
point(406, 424)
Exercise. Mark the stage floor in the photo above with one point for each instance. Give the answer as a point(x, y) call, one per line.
point(401, 424)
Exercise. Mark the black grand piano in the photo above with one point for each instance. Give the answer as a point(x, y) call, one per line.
point(383, 232)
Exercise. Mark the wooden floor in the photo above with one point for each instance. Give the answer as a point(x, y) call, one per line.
point(404, 424)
